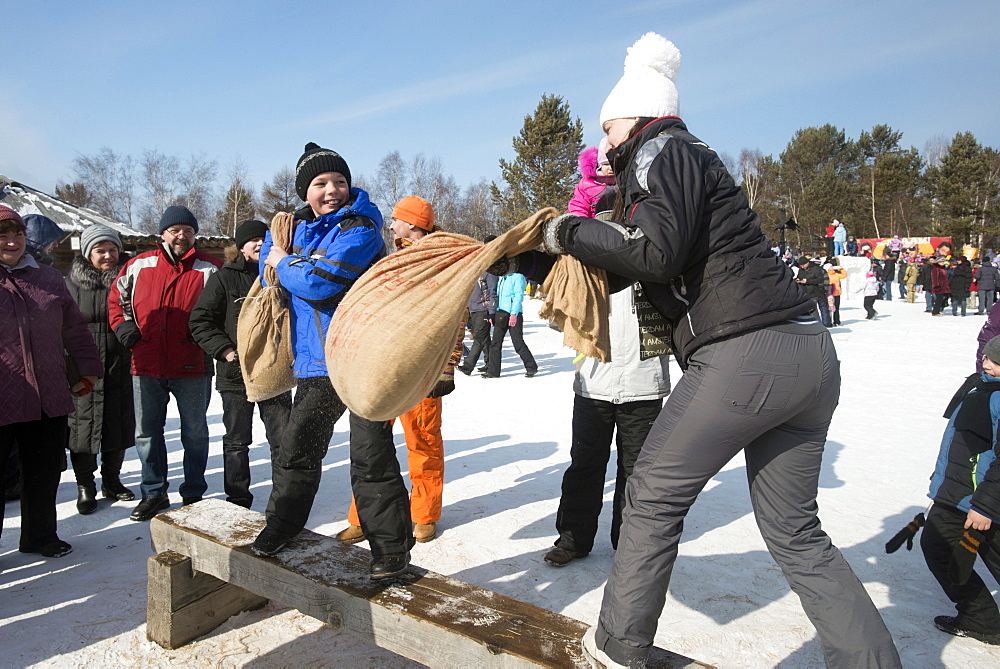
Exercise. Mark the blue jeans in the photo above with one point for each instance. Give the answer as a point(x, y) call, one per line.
point(888, 291)
point(151, 398)
point(928, 298)
point(838, 248)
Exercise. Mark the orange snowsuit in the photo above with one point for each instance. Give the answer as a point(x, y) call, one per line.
point(425, 450)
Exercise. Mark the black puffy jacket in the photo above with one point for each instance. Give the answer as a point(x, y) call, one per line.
point(961, 280)
point(692, 241)
point(213, 319)
point(817, 281)
point(104, 419)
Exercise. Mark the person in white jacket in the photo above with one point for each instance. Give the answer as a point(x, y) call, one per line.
point(623, 396)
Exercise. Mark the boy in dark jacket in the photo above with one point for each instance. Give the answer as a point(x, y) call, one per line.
point(960, 283)
point(965, 488)
point(213, 326)
point(816, 284)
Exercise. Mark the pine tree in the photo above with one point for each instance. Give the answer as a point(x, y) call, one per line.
point(966, 186)
point(279, 195)
point(237, 206)
point(544, 171)
point(819, 180)
point(74, 193)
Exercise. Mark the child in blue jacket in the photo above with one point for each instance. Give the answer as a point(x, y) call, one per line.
point(965, 488)
point(337, 237)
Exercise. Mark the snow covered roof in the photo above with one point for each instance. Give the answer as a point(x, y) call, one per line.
point(71, 218)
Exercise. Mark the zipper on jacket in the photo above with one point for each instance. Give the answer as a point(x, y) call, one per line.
point(680, 296)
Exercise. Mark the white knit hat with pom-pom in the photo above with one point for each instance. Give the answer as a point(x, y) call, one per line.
point(647, 86)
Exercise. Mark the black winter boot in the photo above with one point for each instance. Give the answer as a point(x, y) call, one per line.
point(86, 498)
point(111, 485)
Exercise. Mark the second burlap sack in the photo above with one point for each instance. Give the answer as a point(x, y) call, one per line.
point(263, 328)
point(395, 329)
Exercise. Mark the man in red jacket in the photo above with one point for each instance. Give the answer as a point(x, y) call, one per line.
point(148, 309)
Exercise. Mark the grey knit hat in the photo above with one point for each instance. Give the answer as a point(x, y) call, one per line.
point(93, 235)
point(992, 349)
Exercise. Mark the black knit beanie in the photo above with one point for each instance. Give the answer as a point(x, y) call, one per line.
point(177, 215)
point(248, 230)
point(315, 161)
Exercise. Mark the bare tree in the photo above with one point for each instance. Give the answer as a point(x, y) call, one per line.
point(238, 202)
point(197, 181)
point(110, 180)
point(731, 164)
point(751, 175)
point(935, 149)
point(279, 194)
point(390, 183)
point(160, 176)
point(478, 214)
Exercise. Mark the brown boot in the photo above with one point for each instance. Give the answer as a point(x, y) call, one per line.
point(424, 532)
point(352, 534)
point(560, 557)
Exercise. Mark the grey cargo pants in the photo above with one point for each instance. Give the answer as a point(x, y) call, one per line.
point(770, 393)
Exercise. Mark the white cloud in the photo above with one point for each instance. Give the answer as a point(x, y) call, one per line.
point(486, 80)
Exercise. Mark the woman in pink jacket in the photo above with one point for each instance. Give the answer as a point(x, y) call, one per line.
point(40, 326)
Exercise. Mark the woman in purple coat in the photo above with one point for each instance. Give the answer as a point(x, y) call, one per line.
point(40, 324)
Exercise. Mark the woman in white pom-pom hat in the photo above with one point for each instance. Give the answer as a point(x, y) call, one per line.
point(761, 373)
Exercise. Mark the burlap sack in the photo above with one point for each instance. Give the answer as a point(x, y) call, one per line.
point(395, 329)
point(263, 329)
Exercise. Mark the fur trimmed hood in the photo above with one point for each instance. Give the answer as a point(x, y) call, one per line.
point(588, 163)
point(86, 276)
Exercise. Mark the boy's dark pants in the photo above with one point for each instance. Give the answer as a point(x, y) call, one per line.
point(594, 423)
point(297, 466)
point(379, 492)
point(976, 606)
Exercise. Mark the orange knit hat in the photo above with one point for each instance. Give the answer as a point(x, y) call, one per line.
point(415, 211)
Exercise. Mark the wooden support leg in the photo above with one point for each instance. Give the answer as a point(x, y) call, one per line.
point(184, 604)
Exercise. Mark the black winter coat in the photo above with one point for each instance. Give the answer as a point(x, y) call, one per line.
point(924, 276)
point(104, 419)
point(213, 319)
point(888, 270)
point(961, 281)
point(817, 281)
point(691, 240)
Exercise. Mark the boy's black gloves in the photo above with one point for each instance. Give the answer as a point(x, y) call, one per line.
point(905, 535)
point(963, 556)
point(441, 388)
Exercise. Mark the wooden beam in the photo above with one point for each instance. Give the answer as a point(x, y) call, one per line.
point(427, 617)
point(183, 605)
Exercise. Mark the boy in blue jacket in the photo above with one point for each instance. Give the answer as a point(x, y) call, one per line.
point(338, 237)
point(965, 488)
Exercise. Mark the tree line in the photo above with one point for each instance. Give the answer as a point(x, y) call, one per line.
point(136, 189)
point(875, 185)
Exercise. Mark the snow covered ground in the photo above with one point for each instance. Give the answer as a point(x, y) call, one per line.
point(507, 443)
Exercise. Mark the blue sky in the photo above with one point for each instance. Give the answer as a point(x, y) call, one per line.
point(255, 81)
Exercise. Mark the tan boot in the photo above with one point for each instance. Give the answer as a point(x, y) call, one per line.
point(424, 532)
point(352, 534)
